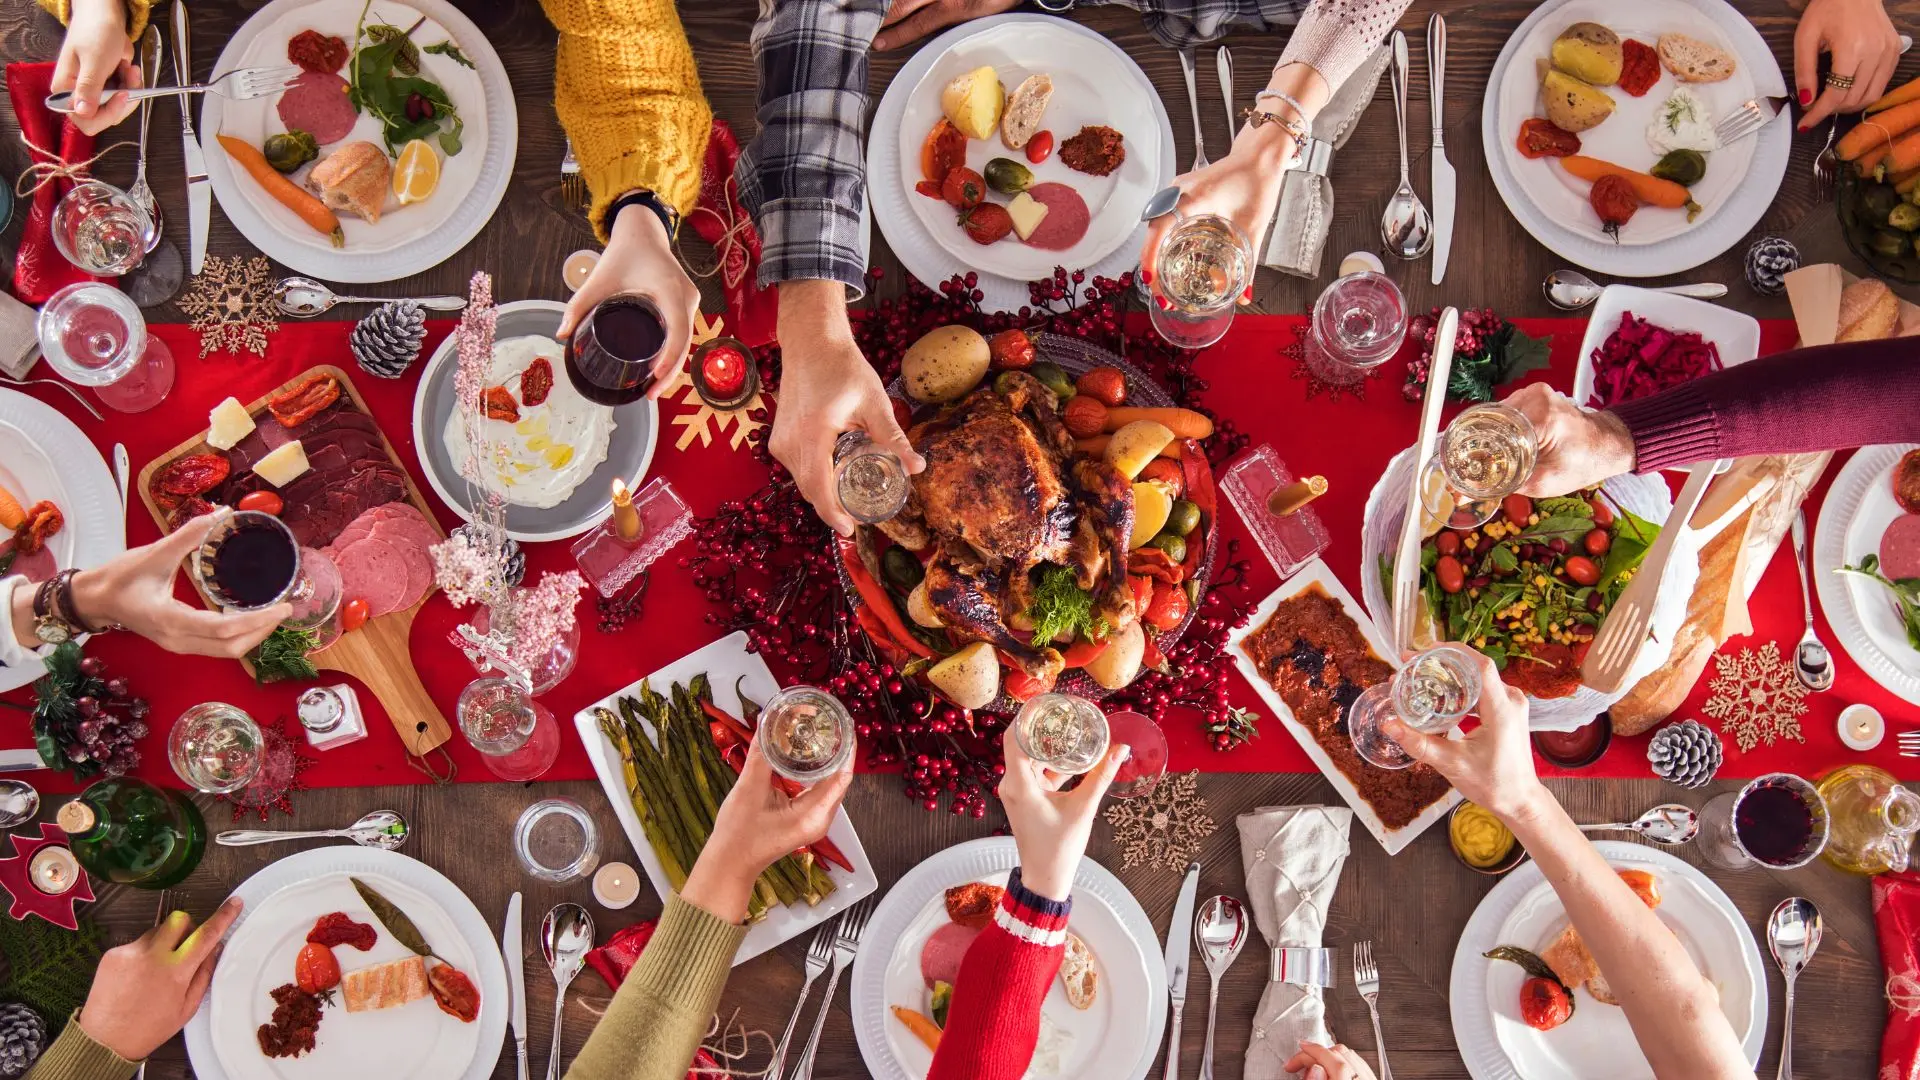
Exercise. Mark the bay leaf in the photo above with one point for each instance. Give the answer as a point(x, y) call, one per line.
point(391, 917)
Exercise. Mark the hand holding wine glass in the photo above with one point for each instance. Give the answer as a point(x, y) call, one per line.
point(1575, 448)
point(1051, 827)
point(758, 823)
point(638, 262)
point(1493, 764)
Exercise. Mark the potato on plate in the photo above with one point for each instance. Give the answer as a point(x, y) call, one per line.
point(945, 364)
point(970, 678)
point(1589, 52)
point(973, 101)
point(1120, 662)
point(1572, 105)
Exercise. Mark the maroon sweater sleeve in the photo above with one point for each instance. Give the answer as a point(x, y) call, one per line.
point(993, 1021)
point(1832, 397)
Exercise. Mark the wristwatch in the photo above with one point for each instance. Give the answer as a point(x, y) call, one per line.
point(1054, 7)
point(668, 215)
point(54, 620)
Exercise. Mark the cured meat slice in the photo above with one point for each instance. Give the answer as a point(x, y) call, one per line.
point(940, 957)
point(1900, 548)
point(36, 567)
point(419, 567)
point(373, 571)
point(1067, 217)
point(317, 103)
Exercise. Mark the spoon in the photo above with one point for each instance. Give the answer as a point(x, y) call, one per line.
point(141, 192)
point(1571, 290)
point(1220, 930)
point(565, 936)
point(19, 803)
point(1793, 936)
point(383, 829)
point(1812, 663)
point(1669, 824)
point(303, 298)
point(1406, 227)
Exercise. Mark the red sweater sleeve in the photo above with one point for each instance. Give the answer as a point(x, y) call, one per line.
point(1832, 397)
point(993, 1021)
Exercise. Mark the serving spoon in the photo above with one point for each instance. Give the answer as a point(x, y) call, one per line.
point(1571, 290)
point(1220, 930)
point(383, 829)
point(303, 298)
point(566, 934)
point(1669, 824)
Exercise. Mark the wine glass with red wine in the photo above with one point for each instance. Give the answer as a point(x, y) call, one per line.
point(610, 355)
point(1778, 821)
point(247, 562)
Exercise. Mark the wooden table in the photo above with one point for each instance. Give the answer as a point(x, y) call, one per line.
point(1412, 907)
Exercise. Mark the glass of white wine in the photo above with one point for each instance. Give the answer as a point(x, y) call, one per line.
point(1430, 695)
point(1062, 732)
point(1203, 268)
point(871, 479)
point(1485, 455)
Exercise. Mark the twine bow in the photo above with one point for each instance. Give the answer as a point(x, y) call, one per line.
point(730, 246)
point(55, 168)
point(731, 1043)
point(1903, 993)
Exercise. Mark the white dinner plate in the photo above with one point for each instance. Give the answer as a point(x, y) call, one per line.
point(1077, 58)
point(1597, 1043)
point(409, 239)
point(724, 662)
point(1858, 508)
point(33, 437)
point(1116, 1038)
point(416, 1040)
point(1316, 572)
point(1551, 204)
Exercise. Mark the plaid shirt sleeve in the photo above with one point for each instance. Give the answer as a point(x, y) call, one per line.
point(802, 177)
point(1179, 24)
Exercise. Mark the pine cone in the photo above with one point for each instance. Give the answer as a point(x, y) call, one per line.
point(1687, 753)
point(1769, 261)
point(23, 1036)
point(516, 558)
point(389, 339)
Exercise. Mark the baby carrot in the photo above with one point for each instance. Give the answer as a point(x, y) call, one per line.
point(1878, 130)
point(1651, 189)
point(1184, 423)
point(927, 1031)
point(311, 210)
point(1909, 91)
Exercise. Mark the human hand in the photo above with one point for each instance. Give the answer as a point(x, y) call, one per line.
point(639, 259)
point(1336, 1062)
point(145, 990)
point(1493, 764)
point(757, 825)
point(1864, 45)
point(1243, 187)
point(135, 590)
point(1050, 826)
point(95, 50)
point(1574, 447)
point(908, 21)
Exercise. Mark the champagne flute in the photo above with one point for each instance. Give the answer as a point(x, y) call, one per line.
point(1485, 455)
point(1430, 695)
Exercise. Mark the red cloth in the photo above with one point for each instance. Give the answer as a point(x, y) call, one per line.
point(753, 313)
point(1896, 911)
point(614, 959)
point(993, 1021)
point(39, 270)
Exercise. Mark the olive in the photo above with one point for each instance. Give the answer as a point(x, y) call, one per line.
point(1008, 177)
point(1889, 244)
point(1055, 379)
point(1184, 518)
point(901, 568)
point(1174, 546)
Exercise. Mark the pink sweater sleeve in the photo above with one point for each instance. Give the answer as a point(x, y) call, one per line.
point(1335, 36)
point(993, 1021)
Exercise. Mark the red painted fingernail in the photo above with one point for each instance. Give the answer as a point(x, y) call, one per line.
point(1146, 276)
point(1804, 126)
point(1806, 97)
point(1247, 296)
point(1162, 301)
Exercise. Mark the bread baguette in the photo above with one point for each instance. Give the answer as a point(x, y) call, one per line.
point(1868, 311)
point(1695, 61)
point(1654, 698)
point(1025, 108)
point(354, 179)
point(1077, 973)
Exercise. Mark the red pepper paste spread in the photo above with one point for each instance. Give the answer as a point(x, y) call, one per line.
point(315, 51)
point(1313, 653)
point(335, 928)
point(296, 1018)
point(1096, 150)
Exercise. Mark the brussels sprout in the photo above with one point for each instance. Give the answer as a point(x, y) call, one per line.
point(1174, 546)
point(289, 151)
point(1055, 378)
point(1905, 217)
point(1184, 519)
point(1891, 245)
point(1878, 200)
point(1008, 177)
point(1683, 167)
point(901, 568)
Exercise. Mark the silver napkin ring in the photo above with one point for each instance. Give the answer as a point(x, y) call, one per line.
point(1300, 966)
point(1314, 155)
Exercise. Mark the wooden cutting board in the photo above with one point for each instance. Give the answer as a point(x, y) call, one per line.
point(377, 653)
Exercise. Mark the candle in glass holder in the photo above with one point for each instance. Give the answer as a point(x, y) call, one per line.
point(1862, 727)
point(724, 373)
point(1289, 499)
point(578, 267)
point(626, 519)
point(616, 885)
point(53, 869)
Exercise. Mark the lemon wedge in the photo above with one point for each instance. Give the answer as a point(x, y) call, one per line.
point(417, 172)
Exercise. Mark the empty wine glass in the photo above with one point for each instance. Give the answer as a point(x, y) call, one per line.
point(1358, 324)
point(92, 334)
point(517, 737)
point(215, 748)
point(1485, 455)
point(1430, 695)
point(100, 229)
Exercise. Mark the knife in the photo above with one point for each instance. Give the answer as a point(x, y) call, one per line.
point(516, 981)
point(1179, 956)
point(1443, 179)
point(199, 188)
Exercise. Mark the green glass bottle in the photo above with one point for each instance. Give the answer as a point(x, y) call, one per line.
point(130, 832)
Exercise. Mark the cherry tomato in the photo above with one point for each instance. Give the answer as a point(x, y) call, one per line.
point(1518, 508)
point(266, 502)
point(353, 615)
point(1453, 576)
point(1602, 511)
point(963, 189)
point(1544, 1004)
point(1582, 570)
point(1597, 542)
point(315, 969)
point(1541, 138)
point(1040, 147)
point(1168, 608)
point(1447, 543)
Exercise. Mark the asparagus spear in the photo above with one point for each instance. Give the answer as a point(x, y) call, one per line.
point(664, 849)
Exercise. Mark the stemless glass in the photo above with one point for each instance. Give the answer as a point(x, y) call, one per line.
point(806, 734)
point(92, 334)
point(1358, 324)
point(215, 748)
point(1778, 821)
point(252, 561)
point(100, 229)
point(556, 841)
point(1204, 266)
point(1430, 694)
point(517, 737)
point(872, 481)
point(1146, 754)
point(610, 354)
point(1062, 732)
point(1485, 455)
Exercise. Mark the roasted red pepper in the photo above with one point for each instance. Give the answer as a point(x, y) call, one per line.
point(1156, 564)
point(734, 727)
point(193, 474)
point(536, 382)
point(1082, 653)
point(874, 598)
point(304, 400)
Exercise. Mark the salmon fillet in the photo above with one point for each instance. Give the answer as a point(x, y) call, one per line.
point(385, 986)
point(1574, 964)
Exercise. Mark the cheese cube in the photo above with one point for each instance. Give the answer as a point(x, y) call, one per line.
point(227, 424)
point(1027, 213)
point(284, 465)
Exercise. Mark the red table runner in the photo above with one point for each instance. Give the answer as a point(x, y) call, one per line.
point(1253, 382)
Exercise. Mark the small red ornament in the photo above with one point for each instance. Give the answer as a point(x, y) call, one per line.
point(17, 878)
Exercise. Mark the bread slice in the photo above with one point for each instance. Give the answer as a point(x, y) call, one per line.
point(354, 179)
point(1695, 61)
point(1025, 108)
point(1868, 311)
point(1078, 975)
point(385, 986)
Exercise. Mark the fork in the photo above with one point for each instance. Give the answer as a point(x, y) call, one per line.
point(243, 84)
point(1193, 102)
point(817, 956)
point(1746, 118)
point(1909, 742)
point(1366, 978)
point(84, 403)
point(573, 186)
point(1826, 164)
point(846, 942)
point(1610, 658)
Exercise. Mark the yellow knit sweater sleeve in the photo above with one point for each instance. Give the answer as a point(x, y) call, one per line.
point(628, 93)
point(137, 12)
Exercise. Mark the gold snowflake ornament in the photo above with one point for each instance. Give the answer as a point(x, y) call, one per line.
point(1757, 698)
point(1163, 828)
point(705, 421)
point(231, 305)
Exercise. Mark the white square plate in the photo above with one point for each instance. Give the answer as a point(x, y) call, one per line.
point(1735, 334)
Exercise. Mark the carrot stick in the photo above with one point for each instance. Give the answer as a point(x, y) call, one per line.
point(1184, 423)
point(1651, 189)
point(1909, 91)
point(1883, 129)
point(311, 210)
point(926, 1030)
point(1905, 154)
point(1097, 445)
point(1863, 165)
point(1903, 182)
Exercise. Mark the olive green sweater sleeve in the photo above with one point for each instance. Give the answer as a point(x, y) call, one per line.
point(663, 1009)
point(74, 1056)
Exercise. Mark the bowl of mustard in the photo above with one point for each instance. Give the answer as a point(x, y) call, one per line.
point(1481, 841)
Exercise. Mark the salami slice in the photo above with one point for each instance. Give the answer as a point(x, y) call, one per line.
point(317, 103)
point(373, 571)
point(36, 567)
point(940, 957)
point(419, 570)
point(1067, 218)
point(1900, 548)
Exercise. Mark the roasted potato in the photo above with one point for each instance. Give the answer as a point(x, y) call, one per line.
point(945, 364)
point(920, 608)
point(1136, 444)
point(969, 678)
point(1589, 52)
point(973, 101)
point(1117, 666)
point(1572, 105)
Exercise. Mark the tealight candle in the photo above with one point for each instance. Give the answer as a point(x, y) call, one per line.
point(626, 519)
point(616, 885)
point(1362, 261)
point(578, 266)
point(1862, 727)
point(53, 869)
point(724, 374)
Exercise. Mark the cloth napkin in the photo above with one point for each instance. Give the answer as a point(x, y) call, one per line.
point(1306, 195)
point(39, 270)
point(19, 340)
point(753, 313)
point(1896, 910)
point(1292, 856)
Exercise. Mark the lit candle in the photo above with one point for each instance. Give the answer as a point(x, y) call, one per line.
point(1289, 499)
point(626, 519)
point(616, 885)
point(1862, 727)
point(578, 266)
point(724, 374)
point(53, 869)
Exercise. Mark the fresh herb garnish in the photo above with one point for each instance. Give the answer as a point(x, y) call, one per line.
point(383, 79)
point(1060, 605)
point(451, 51)
point(395, 920)
point(283, 656)
point(1906, 593)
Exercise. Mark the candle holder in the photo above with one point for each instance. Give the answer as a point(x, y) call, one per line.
point(610, 561)
point(724, 373)
point(1287, 539)
point(44, 879)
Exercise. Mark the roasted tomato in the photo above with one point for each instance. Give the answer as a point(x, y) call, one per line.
point(188, 509)
point(1084, 416)
point(193, 474)
point(454, 992)
point(43, 520)
point(1540, 138)
point(929, 188)
point(1167, 473)
point(315, 969)
point(1040, 147)
point(1105, 383)
point(944, 151)
point(536, 382)
point(1168, 609)
point(500, 405)
point(1010, 350)
point(1544, 1004)
point(987, 223)
point(353, 614)
point(304, 400)
point(1639, 67)
point(266, 502)
point(963, 188)
point(1613, 198)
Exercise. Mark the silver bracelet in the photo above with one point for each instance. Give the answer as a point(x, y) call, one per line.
point(1282, 96)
